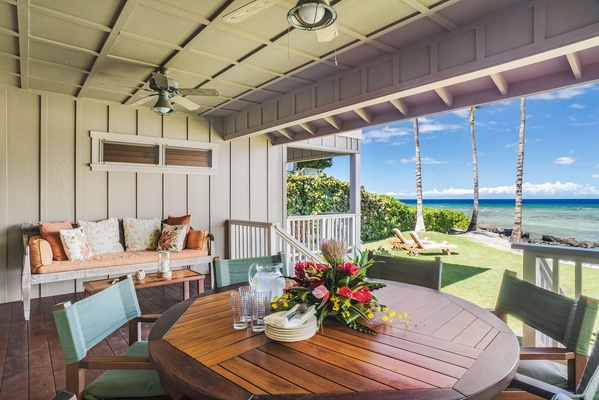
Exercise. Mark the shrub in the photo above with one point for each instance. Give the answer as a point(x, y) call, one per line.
point(316, 195)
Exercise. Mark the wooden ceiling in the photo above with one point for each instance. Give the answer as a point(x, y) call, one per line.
point(392, 59)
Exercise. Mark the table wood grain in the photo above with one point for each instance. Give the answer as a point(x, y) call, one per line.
point(450, 349)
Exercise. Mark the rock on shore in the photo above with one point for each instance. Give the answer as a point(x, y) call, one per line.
point(545, 239)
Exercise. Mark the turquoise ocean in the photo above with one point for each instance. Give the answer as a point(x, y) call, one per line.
point(564, 218)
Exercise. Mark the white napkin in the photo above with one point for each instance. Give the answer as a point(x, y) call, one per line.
point(281, 321)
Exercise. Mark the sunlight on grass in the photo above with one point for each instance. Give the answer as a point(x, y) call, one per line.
point(474, 270)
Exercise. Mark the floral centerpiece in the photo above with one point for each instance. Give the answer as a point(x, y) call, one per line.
point(337, 289)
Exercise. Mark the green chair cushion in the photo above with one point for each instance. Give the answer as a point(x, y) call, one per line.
point(550, 372)
point(126, 383)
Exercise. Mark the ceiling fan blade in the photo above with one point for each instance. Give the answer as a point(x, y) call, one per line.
point(198, 92)
point(143, 100)
point(161, 80)
point(327, 34)
point(248, 10)
point(190, 105)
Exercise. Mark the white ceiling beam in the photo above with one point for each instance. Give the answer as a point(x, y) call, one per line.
point(152, 41)
point(285, 132)
point(364, 114)
point(8, 31)
point(575, 65)
point(445, 95)
point(165, 7)
point(401, 106)
point(69, 17)
point(309, 127)
point(433, 15)
point(334, 121)
point(500, 82)
point(271, 138)
point(23, 23)
point(55, 43)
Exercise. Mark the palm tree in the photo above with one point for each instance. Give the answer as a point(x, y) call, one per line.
point(419, 215)
point(474, 220)
point(517, 231)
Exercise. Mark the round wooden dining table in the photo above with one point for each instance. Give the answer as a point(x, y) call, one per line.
point(449, 349)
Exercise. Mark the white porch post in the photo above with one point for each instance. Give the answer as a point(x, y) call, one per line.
point(354, 194)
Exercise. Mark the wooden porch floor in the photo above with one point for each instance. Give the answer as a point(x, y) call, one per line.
point(31, 362)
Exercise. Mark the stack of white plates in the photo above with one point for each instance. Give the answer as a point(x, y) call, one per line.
point(291, 333)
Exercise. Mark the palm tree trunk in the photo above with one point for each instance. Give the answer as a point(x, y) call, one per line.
point(419, 214)
point(474, 220)
point(517, 231)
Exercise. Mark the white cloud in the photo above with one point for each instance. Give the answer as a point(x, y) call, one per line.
point(423, 160)
point(384, 134)
point(528, 189)
point(564, 160)
point(464, 113)
point(564, 94)
point(596, 176)
point(426, 125)
point(390, 162)
point(577, 106)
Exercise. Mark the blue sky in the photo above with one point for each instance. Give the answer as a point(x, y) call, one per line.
point(561, 153)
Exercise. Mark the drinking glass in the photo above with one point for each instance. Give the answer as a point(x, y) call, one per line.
point(237, 307)
point(260, 309)
point(246, 293)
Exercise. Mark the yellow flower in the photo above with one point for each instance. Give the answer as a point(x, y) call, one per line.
point(385, 318)
point(274, 306)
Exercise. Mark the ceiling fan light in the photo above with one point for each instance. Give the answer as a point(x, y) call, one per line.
point(163, 106)
point(311, 15)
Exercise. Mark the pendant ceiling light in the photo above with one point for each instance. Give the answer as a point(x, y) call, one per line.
point(311, 15)
point(163, 106)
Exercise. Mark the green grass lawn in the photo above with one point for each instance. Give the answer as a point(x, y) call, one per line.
point(474, 270)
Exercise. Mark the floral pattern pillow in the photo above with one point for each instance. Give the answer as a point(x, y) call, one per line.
point(103, 236)
point(172, 237)
point(75, 244)
point(141, 234)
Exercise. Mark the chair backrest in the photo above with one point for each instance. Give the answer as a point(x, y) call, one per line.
point(425, 273)
point(589, 383)
point(84, 324)
point(566, 320)
point(416, 239)
point(400, 236)
point(229, 272)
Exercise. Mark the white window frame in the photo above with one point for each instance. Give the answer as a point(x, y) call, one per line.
point(97, 164)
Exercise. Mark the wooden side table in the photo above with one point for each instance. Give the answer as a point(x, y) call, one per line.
point(178, 276)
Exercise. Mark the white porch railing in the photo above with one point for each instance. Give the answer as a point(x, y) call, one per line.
point(310, 230)
point(541, 266)
point(256, 239)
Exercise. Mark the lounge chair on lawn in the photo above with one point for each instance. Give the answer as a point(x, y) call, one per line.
point(400, 242)
point(419, 246)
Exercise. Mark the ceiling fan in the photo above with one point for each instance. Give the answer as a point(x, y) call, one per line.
point(308, 15)
point(168, 92)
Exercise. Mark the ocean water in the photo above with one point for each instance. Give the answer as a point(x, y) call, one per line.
point(565, 218)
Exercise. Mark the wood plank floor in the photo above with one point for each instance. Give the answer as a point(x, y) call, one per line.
point(31, 361)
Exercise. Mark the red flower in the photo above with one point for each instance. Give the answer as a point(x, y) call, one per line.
point(349, 269)
point(363, 295)
point(345, 292)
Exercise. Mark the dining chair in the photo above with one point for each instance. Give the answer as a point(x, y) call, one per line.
point(425, 273)
point(229, 272)
point(85, 323)
point(568, 321)
point(587, 389)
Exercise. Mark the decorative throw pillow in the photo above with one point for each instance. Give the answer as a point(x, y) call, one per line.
point(172, 237)
point(103, 236)
point(184, 220)
point(40, 252)
point(197, 239)
point(141, 234)
point(75, 244)
point(51, 232)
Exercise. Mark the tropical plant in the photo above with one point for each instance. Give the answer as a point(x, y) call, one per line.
point(474, 219)
point(319, 165)
point(517, 231)
point(419, 214)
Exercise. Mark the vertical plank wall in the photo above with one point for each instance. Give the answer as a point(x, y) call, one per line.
point(45, 151)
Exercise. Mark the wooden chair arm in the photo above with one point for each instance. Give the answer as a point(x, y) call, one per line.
point(118, 362)
point(546, 353)
point(135, 326)
point(536, 387)
point(147, 318)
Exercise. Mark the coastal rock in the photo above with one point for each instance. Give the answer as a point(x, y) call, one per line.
point(544, 239)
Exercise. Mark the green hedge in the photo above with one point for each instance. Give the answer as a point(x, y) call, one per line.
point(316, 195)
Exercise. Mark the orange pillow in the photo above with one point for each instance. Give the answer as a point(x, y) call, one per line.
point(184, 220)
point(197, 240)
point(51, 232)
point(40, 252)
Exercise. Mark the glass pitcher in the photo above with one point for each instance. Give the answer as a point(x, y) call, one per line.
point(267, 277)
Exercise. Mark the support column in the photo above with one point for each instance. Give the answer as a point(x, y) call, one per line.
point(354, 196)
